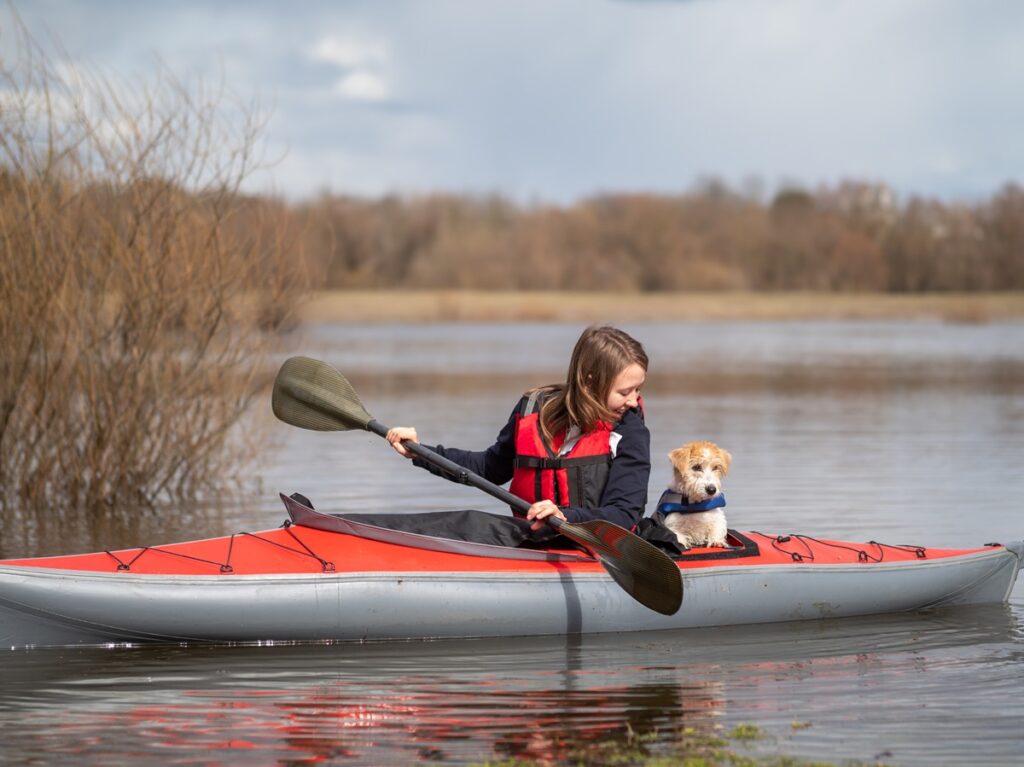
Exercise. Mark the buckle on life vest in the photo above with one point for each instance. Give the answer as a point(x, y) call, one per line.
point(536, 462)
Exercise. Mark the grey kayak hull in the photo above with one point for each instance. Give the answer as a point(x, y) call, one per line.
point(49, 607)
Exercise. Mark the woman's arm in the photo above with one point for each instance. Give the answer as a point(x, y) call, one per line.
point(624, 499)
point(494, 464)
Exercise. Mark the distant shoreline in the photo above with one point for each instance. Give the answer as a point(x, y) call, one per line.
point(386, 306)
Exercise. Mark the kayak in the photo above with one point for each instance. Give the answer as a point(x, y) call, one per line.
point(322, 577)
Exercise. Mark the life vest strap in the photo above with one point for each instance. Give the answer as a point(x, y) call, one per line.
point(531, 403)
point(536, 462)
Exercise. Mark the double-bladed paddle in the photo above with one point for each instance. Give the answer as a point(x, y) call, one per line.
point(313, 395)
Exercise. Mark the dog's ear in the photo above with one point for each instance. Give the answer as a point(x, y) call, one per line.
point(680, 456)
point(726, 461)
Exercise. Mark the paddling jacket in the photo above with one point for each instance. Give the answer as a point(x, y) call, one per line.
point(614, 488)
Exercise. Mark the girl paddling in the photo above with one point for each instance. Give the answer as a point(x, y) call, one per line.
point(579, 450)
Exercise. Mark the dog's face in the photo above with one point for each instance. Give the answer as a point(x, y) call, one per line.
point(698, 468)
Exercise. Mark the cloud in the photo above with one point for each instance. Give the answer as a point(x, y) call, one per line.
point(556, 100)
point(350, 54)
point(364, 64)
point(362, 85)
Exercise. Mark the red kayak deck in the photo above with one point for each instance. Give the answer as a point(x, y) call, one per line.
point(297, 549)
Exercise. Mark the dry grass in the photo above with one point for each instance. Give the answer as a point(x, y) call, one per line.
point(367, 307)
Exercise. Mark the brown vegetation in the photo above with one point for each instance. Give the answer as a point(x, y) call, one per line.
point(853, 238)
point(127, 304)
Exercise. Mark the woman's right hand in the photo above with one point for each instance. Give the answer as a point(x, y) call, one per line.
point(399, 434)
point(540, 511)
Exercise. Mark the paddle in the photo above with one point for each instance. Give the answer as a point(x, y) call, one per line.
point(313, 395)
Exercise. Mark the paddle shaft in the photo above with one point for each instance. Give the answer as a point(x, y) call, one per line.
point(461, 473)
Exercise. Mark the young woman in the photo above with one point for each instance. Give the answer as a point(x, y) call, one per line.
point(579, 450)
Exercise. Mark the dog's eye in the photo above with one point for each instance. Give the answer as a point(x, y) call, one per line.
point(695, 467)
point(718, 468)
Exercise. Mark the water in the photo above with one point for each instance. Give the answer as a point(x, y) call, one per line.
point(901, 432)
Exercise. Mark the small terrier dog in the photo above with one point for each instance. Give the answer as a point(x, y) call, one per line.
point(692, 504)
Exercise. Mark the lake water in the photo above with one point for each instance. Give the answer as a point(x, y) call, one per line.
point(900, 432)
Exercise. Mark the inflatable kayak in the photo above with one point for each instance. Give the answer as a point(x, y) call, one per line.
point(323, 577)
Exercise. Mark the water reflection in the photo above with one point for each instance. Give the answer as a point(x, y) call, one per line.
point(549, 699)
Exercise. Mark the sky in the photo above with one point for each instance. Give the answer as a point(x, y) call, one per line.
point(557, 100)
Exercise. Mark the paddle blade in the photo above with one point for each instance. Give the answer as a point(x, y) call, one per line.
point(311, 394)
point(644, 571)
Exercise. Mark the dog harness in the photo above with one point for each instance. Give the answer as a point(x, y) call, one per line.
point(575, 479)
point(671, 501)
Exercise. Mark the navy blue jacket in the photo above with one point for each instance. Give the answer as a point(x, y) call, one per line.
point(625, 495)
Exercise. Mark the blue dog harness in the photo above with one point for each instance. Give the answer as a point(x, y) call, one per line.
point(672, 501)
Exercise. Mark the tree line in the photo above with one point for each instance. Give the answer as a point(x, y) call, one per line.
point(851, 237)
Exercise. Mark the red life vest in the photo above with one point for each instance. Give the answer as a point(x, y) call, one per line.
point(574, 479)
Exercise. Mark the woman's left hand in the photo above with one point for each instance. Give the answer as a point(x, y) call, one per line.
point(541, 511)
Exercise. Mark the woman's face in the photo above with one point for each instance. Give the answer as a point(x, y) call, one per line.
point(625, 391)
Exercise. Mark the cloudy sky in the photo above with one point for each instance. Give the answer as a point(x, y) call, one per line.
point(558, 99)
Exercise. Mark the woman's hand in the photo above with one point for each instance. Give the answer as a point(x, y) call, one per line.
point(540, 511)
point(397, 435)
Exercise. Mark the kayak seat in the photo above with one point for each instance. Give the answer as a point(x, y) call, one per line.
point(740, 546)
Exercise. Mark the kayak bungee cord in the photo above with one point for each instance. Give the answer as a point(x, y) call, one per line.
point(225, 566)
point(862, 554)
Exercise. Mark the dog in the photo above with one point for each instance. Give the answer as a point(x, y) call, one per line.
point(693, 503)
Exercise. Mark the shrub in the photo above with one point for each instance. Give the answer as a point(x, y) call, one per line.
point(133, 280)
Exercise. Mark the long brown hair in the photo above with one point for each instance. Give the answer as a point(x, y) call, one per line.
point(601, 354)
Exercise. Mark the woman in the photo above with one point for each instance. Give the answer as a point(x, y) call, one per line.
point(577, 451)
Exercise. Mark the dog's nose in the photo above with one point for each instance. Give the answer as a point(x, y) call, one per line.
point(710, 490)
